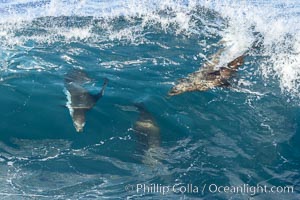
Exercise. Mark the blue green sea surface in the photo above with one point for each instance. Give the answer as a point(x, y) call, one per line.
point(210, 144)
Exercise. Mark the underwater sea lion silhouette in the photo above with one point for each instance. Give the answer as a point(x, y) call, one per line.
point(79, 100)
point(207, 77)
point(147, 133)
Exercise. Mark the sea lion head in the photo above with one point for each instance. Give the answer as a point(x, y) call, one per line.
point(79, 120)
point(182, 86)
point(175, 91)
point(146, 126)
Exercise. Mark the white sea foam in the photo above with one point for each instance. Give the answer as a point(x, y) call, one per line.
point(69, 102)
point(276, 21)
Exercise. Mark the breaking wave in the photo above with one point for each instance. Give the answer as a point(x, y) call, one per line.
point(28, 23)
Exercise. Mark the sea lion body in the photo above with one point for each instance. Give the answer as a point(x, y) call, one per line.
point(207, 77)
point(147, 133)
point(79, 100)
point(146, 128)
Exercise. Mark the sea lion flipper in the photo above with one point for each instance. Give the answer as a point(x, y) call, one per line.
point(239, 61)
point(140, 106)
point(103, 87)
point(225, 83)
point(215, 73)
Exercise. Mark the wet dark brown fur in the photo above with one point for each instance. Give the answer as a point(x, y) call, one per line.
point(207, 77)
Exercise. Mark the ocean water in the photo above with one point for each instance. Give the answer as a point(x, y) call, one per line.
point(245, 135)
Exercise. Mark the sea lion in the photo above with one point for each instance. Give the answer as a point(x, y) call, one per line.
point(79, 100)
point(207, 77)
point(147, 133)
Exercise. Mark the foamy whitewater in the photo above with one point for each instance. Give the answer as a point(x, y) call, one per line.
point(245, 134)
point(276, 21)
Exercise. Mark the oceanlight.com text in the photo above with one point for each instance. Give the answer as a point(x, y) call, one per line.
point(141, 188)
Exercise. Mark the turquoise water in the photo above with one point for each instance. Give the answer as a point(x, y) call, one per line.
point(245, 134)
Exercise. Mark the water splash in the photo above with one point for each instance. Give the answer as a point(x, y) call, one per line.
point(39, 22)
